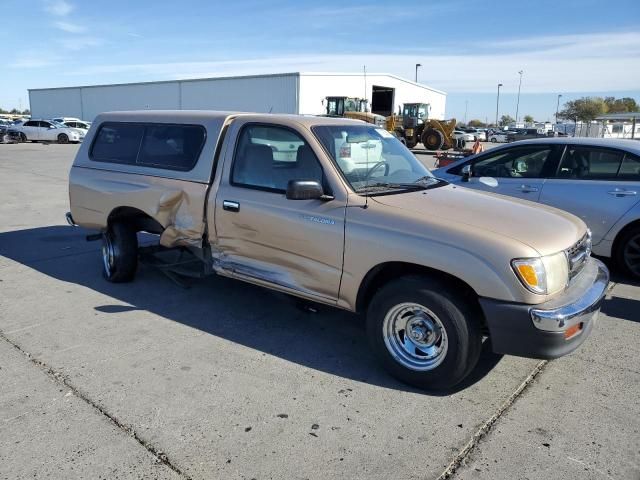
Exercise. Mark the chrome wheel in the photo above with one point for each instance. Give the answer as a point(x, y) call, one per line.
point(415, 336)
point(631, 255)
point(108, 254)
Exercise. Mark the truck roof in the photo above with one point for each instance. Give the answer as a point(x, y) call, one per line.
point(205, 116)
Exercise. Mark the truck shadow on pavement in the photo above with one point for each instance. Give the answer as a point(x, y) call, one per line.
point(332, 340)
point(620, 307)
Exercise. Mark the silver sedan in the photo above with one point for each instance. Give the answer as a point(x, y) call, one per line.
point(595, 179)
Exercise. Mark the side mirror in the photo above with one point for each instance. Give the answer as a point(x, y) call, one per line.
point(466, 173)
point(304, 190)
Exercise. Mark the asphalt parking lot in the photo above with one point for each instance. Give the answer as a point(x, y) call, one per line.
point(227, 380)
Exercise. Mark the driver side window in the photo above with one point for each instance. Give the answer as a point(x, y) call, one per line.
point(267, 157)
point(513, 163)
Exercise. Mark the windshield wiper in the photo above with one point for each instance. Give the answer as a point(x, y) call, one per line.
point(400, 186)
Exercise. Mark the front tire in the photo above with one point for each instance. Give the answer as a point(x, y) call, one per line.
point(23, 138)
point(119, 253)
point(432, 139)
point(422, 334)
point(63, 138)
point(494, 140)
point(627, 254)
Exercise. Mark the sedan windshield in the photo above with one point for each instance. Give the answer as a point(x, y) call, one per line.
point(372, 159)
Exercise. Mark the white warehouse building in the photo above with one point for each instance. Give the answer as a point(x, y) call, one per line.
point(301, 93)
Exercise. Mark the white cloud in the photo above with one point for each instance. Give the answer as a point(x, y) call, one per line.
point(70, 27)
point(34, 60)
point(59, 8)
point(80, 43)
point(585, 63)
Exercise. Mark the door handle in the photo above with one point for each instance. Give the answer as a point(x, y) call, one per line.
point(528, 189)
point(230, 206)
point(622, 193)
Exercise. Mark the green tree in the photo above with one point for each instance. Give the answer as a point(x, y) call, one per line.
point(528, 119)
point(620, 105)
point(506, 120)
point(476, 123)
point(583, 109)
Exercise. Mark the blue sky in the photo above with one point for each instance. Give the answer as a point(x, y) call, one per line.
point(573, 48)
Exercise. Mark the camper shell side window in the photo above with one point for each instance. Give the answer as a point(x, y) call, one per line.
point(156, 145)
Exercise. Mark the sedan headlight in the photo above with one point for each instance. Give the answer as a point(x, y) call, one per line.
point(543, 275)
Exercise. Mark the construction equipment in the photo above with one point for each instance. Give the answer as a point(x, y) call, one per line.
point(414, 127)
point(352, 107)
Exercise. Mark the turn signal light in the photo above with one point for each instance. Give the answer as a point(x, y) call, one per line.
point(572, 331)
point(528, 274)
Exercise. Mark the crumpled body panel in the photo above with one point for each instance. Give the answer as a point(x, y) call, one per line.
point(177, 205)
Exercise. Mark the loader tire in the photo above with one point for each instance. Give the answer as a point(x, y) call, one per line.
point(432, 139)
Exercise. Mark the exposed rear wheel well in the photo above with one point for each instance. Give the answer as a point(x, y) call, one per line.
point(136, 219)
point(386, 272)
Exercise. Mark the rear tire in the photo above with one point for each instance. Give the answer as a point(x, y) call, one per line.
point(119, 253)
point(63, 138)
point(493, 140)
point(432, 139)
point(23, 138)
point(422, 334)
point(627, 253)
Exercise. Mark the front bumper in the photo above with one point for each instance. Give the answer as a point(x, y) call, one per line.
point(551, 329)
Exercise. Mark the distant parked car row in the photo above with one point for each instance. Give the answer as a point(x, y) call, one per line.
point(475, 133)
point(60, 130)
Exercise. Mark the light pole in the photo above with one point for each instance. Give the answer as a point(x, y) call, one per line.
point(518, 101)
point(498, 104)
point(417, 65)
point(557, 107)
point(466, 105)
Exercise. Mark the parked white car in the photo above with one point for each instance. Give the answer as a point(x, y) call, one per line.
point(498, 137)
point(467, 137)
point(596, 179)
point(66, 119)
point(47, 131)
point(79, 124)
point(477, 133)
point(81, 130)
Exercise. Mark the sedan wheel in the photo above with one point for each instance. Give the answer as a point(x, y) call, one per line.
point(632, 255)
point(63, 138)
point(627, 252)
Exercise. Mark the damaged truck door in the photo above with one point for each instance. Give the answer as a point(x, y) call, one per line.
point(261, 234)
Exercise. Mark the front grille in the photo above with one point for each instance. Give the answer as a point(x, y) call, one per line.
point(578, 254)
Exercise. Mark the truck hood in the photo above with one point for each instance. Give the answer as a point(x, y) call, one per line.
point(545, 229)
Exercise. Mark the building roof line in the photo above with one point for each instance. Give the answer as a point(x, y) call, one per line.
point(373, 74)
point(175, 80)
point(619, 116)
point(240, 77)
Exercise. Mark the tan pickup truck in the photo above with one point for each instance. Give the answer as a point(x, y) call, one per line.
point(339, 212)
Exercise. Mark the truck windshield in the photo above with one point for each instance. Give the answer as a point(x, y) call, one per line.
point(372, 159)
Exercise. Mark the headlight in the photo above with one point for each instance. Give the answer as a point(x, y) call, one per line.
point(543, 275)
